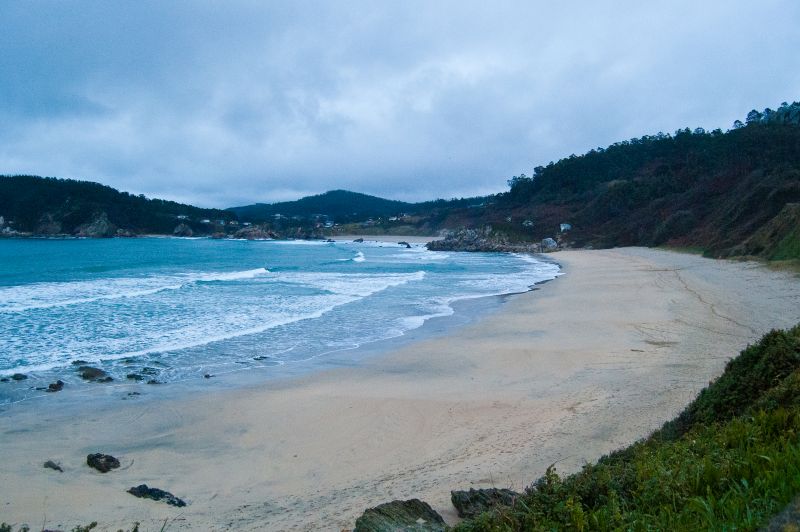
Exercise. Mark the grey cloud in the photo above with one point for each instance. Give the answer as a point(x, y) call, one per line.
point(224, 104)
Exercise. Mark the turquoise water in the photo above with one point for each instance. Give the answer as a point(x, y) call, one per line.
point(183, 308)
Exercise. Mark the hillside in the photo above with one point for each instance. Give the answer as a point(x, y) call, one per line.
point(51, 206)
point(727, 193)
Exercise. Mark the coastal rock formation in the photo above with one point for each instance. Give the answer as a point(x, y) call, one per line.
point(404, 243)
point(99, 227)
point(254, 232)
point(144, 492)
point(182, 230)
point(548, 244)
point(53, 465)
point(55, 386)
point(479, 240)
point(19, 377)
point(473, 502)
point(102, 462)
point(93, 374)
point(411, 515)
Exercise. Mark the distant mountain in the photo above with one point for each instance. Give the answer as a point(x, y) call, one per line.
point(50, 206)
point(341, 205)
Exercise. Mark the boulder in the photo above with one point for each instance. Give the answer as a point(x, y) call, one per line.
point(473, 502)
point(403, 243)
point(93, 374)
point(359, 240)
point(411, 515)
point(53, 465)
point(548, 244)
point(144, 492)
point(55, 386)
point(182, 230)
point(19, 377)
point(102, 462)
point(134, 377)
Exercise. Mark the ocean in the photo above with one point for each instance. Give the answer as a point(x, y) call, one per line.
point(174, 310)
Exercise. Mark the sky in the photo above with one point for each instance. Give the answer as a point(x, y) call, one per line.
point(230, 103)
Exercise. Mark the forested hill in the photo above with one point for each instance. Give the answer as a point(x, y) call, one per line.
point(342, 205)
point(49, 206)
point(727, 193)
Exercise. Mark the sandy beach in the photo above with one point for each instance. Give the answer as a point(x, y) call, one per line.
point(579, 367)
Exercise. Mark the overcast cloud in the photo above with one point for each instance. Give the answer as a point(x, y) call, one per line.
point(229, 103)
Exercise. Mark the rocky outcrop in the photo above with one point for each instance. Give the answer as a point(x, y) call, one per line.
point(144, 492)
point(102, 462)
point(92, 374)
point(473, 502)
point(404, 243)
point(254, 232)
point(182, 230)
point(18, 377)
point(99, 227)
point(411, 515)
point(479, 240)
point(55, 386)
point(53, 465)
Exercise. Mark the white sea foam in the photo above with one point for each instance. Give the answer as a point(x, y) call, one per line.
point(61, 294)
point(359, 257)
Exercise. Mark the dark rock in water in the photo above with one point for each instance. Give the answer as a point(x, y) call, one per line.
point(261, 357)
point(79, 362)
point(207, 376)
point(55, 386)
point(149, 371)
point(19, 377)
point(473, 502)
point(102, 462)
point(330, 240)
point(403, 243)
point(53, 465)
point(5, 379)
point(143, 492)
point(153, 381)
point(359, 240)
point(410, 515)
point(93, 374)
point(130, 394)
point(134, 377)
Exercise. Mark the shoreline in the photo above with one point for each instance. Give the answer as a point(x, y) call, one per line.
point(627, 334)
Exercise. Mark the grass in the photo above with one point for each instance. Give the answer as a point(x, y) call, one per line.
point(730, 461)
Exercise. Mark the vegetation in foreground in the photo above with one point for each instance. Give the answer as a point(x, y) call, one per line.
point(730, 461)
